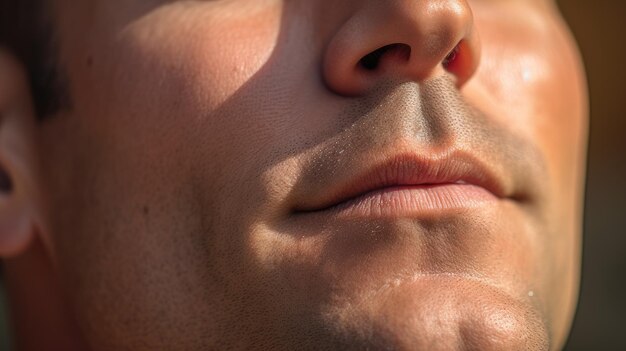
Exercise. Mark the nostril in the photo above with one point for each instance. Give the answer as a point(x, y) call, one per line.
point(451, 57)
point(373, 60)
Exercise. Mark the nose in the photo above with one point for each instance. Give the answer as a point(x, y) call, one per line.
point(406, 40)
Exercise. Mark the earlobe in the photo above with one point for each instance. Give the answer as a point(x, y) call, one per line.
point(15, 234)
point(18, 177)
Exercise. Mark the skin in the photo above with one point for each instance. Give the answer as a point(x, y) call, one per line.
point(161, 210)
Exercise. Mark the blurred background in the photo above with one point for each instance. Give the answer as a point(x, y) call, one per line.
point(600, 322)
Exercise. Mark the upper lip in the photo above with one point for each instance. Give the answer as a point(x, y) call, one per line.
point(407, 169)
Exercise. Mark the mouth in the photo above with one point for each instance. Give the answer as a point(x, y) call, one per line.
point(409, 185)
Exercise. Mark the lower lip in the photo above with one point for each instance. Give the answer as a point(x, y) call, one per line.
point(413, 201)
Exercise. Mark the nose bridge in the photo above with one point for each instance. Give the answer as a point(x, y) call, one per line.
point(410, 39)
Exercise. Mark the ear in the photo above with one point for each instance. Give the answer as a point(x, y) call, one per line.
point(19, 205)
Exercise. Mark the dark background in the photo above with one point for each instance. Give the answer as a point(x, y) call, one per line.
point(600, 322)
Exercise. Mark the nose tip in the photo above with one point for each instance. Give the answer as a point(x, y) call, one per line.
point(406, 40)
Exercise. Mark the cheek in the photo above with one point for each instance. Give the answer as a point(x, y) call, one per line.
point(163, 81)
point(165, 73)
point(140, 153)
point(154, 122)
point(210, 45)
point(531, 80)
point(179, 69)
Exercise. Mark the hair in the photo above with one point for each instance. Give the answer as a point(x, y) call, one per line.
point(27, 31)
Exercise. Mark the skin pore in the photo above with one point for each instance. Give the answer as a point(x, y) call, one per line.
point(182, 202)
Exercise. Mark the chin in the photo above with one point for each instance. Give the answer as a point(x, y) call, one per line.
point(437, 312)
point(455, 282)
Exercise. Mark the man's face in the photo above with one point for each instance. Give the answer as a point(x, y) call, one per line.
point(246, 173)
